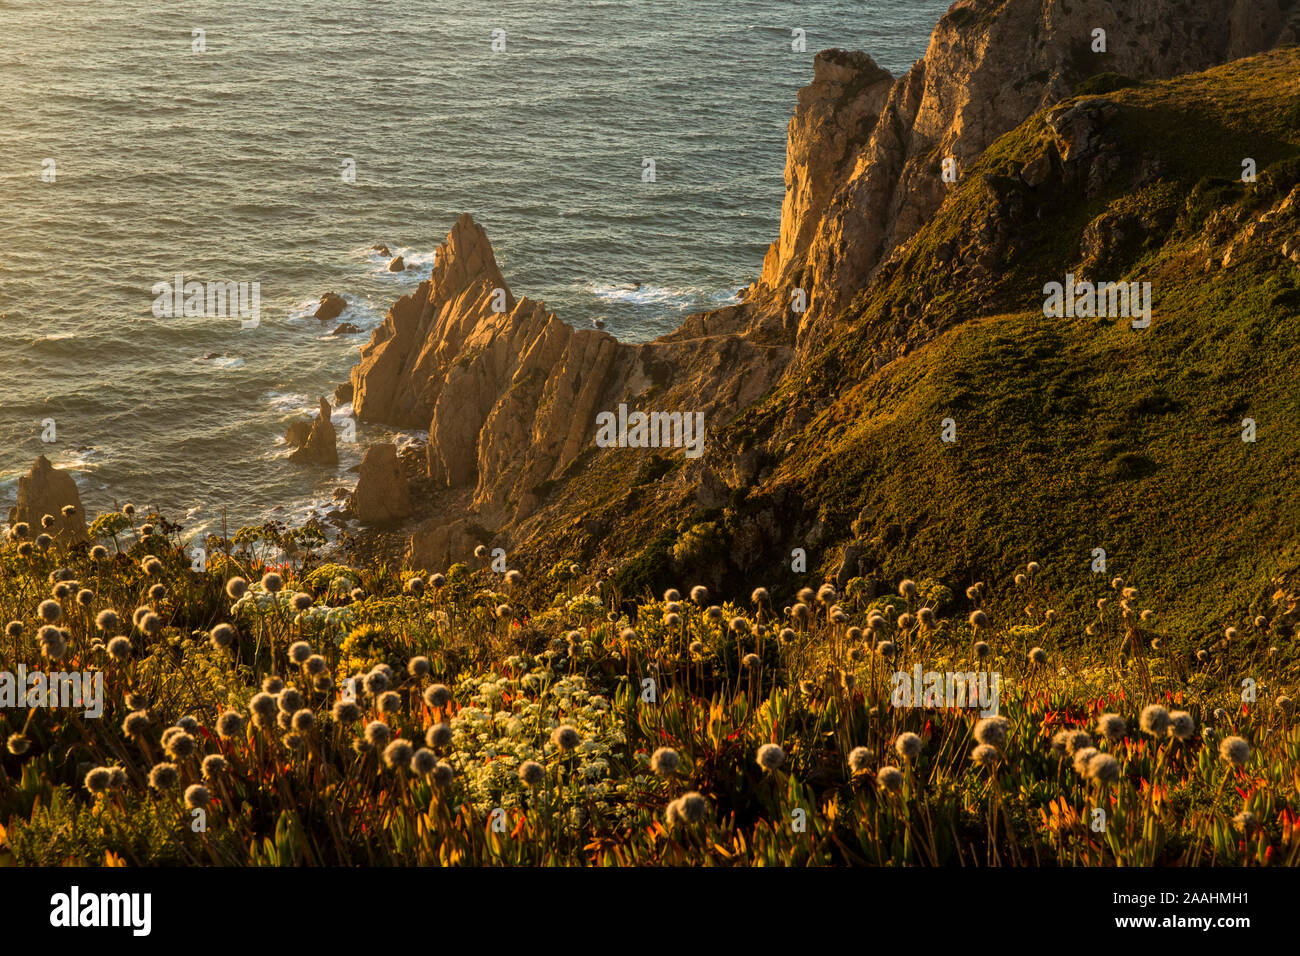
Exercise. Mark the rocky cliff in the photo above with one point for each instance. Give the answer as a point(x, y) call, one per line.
point(510, 394)
point(865, 157)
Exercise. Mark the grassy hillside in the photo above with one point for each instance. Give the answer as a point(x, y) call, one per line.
point(1078, 433)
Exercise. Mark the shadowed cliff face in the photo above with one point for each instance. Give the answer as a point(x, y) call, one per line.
point(864, 161)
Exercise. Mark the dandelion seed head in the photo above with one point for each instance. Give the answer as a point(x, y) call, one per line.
point(770, 756)
point(1154, 720)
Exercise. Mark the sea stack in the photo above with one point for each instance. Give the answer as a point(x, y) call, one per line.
point(46, 491)
point(318, 443)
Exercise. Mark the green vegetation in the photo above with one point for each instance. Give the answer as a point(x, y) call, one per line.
point(494, 724)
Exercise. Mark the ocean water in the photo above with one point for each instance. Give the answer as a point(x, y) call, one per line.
point(229, 165)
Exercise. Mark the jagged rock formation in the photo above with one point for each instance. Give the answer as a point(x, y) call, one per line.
point(990, 65)
point(381, 496)
point(315, 442)
point(46, 491)
point(510, 393)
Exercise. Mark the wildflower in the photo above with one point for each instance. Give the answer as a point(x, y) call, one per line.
point(979, 620)
point(688, 808)
point(532, 773)
point(890, 777)
point(514, 578)
point(443, 774)
point(826, 594)
point(398, 753)
point(770, 756)
point(303, 720)
point(196, 795)
point(415, 586)
point(503, 611)
point(1154, 720)
point(751, 661)
point(1021, 580)
point(565, 737)
point(885, 649)
point(1032, 568)
point(908, 745)
point(134, 702)
point(672, 620)
point(263, 706)
point(759, 596)
point(150, 623)
point(119, 648)
point(273, 685)
point(135, 724)
point(1181, 725)
point(214, 765)
point(50, 611)
point(860, 759)
point(315, 666)
point(299, 651)
point(439, 736)
point(14, 629)
point(1261, 622)
point(927, 618)
point(985, 755)
point(1102, 768)
point(179, 745)
point(437, 696)
point(700, 595)
point(106, 620)
point(992, 731)
point(18, 744)
point(664, 761)
point(236, 587)
point(377, 733)
point(1234, 750)
point(376, 682)
point(1284, 704)
point(1076, 740)
point(1112, 727)
point(116, 778)
point(1082, 757)
point(20, 530)
point(292, 741)
point(289, 700)
point(98, 780)
point(346, 712)
point(800, 613)
point(163, 776)
point(44, 542)
point(982, 650)
point(1246, 822)
point(272, 583)
point(151, 566)
point(423, 761)
point(223, 635)
point(1230, 633)
point(418, 666)
point(1038, 656)
point(389, 702)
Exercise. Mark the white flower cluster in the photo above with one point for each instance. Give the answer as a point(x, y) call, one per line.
point(508, 720)
point(330, 623)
